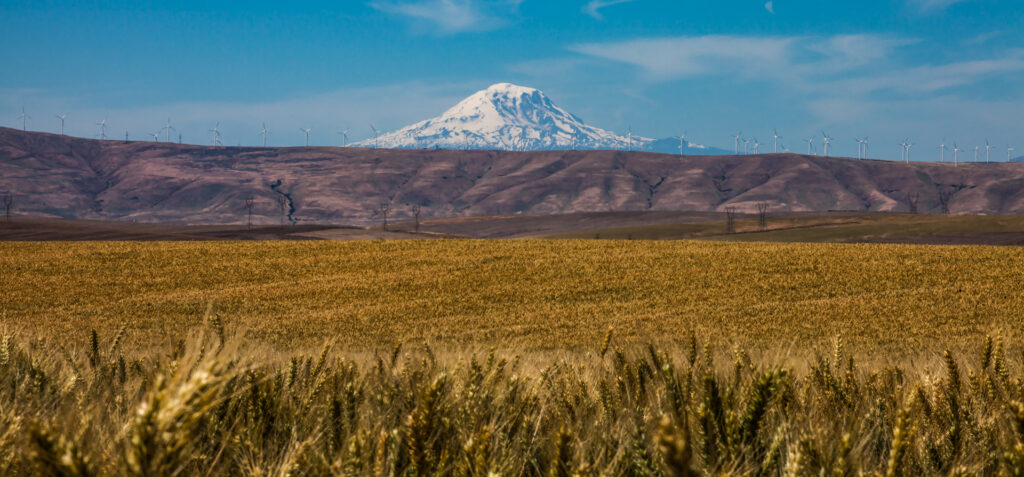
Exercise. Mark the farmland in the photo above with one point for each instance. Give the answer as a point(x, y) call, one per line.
point(521, 295)
point(509, 357)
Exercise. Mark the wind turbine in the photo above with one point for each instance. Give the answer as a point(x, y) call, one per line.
point(168, 128)
point(216, 134)
point(682, 144)
point(757, 146)
point(976, 153)
point(828, 142)
point(737, 138)
point(156, 136)
point(103, 129)
point(746, 146)
point(909, 145)
point(629, 139)
point(24, 119)
point(264, 133)
point(306, 130)
point(810, 145)
point(903, 151)
point(956, 154)
point(867, 146)
point(1009, 153)
point(374, 136)
point(775, 139)
point(344, 138)
point(988, 151)
point(62, 117)
point(860, 147)
point(942, 151)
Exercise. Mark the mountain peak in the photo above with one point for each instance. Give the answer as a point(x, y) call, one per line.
point(505, 116)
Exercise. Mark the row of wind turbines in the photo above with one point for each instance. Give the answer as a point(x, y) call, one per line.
point(862, 147)
point(862, 143)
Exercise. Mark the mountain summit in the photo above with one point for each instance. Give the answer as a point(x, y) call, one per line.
point(508, 117)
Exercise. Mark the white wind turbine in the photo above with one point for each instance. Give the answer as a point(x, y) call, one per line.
point(156, 136)
point(682, 144)
point(775, 140)
point(942, 151)
point(629, 139)
point(810, 145)
point(956, 154)
point(988, 151)
point(861, 149)
point(103, 129)
point(264, 132)
point(976, 148)
point(344, 138)
point(737, 138)
point(909, 145)
point(757, 146)
point(746, 146)
point(374, 136)
point(903, 150)
point(828, 142)
point(216, 134)
point(306, 130)
point(167, 129)
point(24, 119)
point(62, 117)
point(1009, 153)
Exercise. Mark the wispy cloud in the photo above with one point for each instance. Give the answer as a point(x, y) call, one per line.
point(671, 58)
point(453, 16)
point(929, 6)
point(593, 8)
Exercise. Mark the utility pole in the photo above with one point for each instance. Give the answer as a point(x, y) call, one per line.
point(8, 200)
point(249, 203)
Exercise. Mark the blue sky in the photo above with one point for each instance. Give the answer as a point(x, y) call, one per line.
point(887, 69)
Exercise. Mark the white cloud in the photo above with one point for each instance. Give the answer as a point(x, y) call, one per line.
point(593, 8)
point(453, 16)
point(928, 6)
point(770, 6)
point(671, 58)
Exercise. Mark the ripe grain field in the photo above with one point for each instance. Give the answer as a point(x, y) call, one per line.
point(520, 295)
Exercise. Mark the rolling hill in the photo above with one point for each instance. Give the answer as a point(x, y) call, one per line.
point(68, 177)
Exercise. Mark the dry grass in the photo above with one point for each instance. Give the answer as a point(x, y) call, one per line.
point(519, 295)
point(213, 408)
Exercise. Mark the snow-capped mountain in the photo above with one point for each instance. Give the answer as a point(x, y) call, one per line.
point(507, 117)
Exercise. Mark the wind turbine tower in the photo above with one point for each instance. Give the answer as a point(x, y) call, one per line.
point(988, 151)
point(976, 148)
point(216, 134)
point(62, 117)
point(629, 139)
point(737, 138)
point(24, 119)
point(810, 145)
point(682, 144)
point(103, 129)
point(903, 150)
point(374, 136)
point(264, 133)
point(942, 151)
point(828, 142)
point(344, 138)
point(156, 136)
point(167, 129)
point(775, 140)
point(861, 148)
point(1009, 153)
point(306, 130)
point(746, 146)
point(909, 145)
point(956, 154)
point(757, 146)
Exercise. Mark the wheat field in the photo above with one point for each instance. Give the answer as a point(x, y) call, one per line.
point(519, 295)
point(519, 358)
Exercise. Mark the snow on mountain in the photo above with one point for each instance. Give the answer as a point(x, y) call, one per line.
point(508, 117)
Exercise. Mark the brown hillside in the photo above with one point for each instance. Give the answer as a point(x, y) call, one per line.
point(161, 182)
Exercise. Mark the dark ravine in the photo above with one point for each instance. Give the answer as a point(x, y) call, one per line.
point(70, 177)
